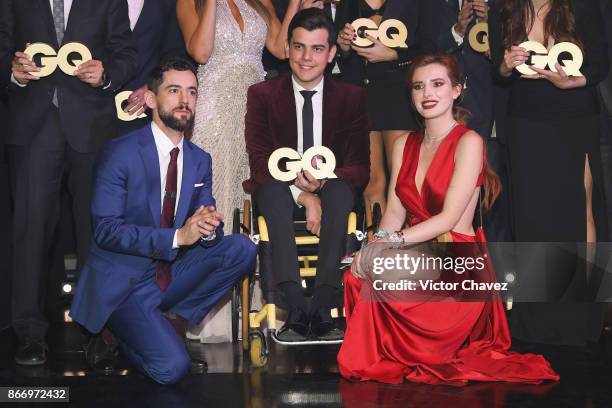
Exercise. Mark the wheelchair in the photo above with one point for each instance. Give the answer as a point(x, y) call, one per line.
point(249, 322)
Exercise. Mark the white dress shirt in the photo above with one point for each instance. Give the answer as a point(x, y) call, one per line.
point(456, 36)
point(164, 145)
point(134, 10)
point(317, 124)
point(336, 69)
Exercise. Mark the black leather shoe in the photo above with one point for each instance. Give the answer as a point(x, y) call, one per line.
point(198, 366)
point(323, 328)
point(295, 328)
point(101, 351)
point(32, 352)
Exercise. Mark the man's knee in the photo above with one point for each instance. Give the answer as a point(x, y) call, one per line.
point(338, 193)
point(172, 370)
point(242, 250)
point(273, 196)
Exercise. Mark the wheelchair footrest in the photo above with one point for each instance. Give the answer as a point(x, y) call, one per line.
point(309, 342)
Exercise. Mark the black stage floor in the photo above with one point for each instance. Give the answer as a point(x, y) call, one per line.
point(297, 377)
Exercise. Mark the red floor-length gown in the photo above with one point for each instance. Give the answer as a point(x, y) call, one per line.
point(431, 342)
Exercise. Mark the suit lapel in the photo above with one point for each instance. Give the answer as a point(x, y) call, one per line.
point(143, 18)
point(289, 131)
point(73, 17)
point(187, 183)
point(47, 17)
point(150, 160)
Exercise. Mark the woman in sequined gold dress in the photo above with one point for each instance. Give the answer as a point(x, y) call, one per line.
point(227, 37)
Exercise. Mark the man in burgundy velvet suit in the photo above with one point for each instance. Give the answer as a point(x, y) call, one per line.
point(298, 111)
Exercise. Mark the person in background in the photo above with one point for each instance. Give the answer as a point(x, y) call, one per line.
point(57, 124)
point(381, 71)
point(556, 175)
point(156, 36)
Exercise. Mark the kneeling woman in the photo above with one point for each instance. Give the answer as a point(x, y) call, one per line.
point(435, 183)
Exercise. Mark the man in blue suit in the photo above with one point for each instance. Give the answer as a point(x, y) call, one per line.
point(158, 240)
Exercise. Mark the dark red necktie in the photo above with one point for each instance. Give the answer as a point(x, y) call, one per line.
point(163, 275)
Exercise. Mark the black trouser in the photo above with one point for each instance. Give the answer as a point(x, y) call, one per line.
point(36, 173)
point(275, 203)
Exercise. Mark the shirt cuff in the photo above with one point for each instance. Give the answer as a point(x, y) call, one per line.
point(456, 36)
point(175, 244)
point(13, 80)
point(295, 192)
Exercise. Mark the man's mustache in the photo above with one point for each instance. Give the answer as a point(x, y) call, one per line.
point(185, 107)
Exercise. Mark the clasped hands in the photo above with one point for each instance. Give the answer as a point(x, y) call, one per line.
point(517, 56)
point(378, 52)
point(90, 72)
point(202, 223)
point(466, 15)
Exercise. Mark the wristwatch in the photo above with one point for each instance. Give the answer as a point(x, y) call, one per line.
point(106, 81)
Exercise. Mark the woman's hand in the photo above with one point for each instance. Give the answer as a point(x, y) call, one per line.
point(345, 38)
point(356, 268)
point(513, 57)
point(559, 79)
point(376, 53)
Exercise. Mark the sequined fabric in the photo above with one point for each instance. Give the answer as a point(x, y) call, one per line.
point(234, 65)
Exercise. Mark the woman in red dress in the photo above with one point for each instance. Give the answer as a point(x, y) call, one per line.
point(435, 184)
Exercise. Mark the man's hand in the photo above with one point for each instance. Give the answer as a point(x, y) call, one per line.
point(464, 18)
point(481, 8)
point(22, 65)
point(307, 182)
point(136, 102)
point(91, 72)
point(356, 269)
point(379, 52)
point(304, 4)
point(346, 37)
point(202, 223)
point(312, 204)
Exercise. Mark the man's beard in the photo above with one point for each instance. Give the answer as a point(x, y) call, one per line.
point(180, 125)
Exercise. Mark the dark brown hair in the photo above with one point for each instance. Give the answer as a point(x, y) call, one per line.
point(255, 4)
point(491, 184)
point(518, 17)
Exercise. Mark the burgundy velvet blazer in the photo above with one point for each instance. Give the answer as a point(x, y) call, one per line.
point(271, 123)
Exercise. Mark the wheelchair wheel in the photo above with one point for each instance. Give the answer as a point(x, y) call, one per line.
point(258, 350)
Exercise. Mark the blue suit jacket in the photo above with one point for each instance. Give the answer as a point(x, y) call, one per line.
point(126, 210)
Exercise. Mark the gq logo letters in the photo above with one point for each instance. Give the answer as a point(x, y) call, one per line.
point(479, 37)
point(365, 26)
point(51, 60)
point(541, 57)
point(120, 99)
point(296, 163)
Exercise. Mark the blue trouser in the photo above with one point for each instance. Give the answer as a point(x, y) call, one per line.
point(200, 278)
